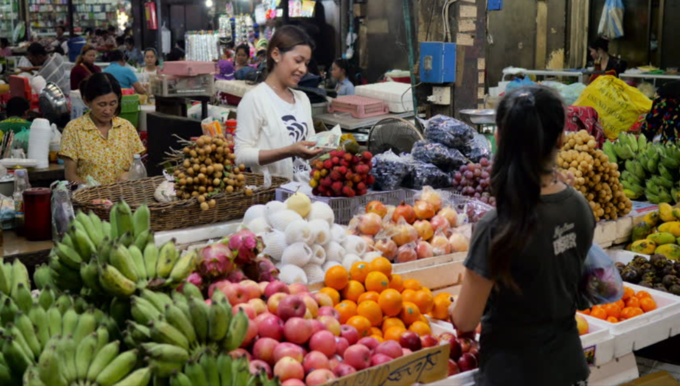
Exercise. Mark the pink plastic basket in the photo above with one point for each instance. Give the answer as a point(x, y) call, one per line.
point(358, 106)
point(185, 68)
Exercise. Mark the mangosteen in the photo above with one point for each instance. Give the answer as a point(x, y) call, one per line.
point(660, 287)
point(631, 275)
point(669, 280)
point(646, 284)
point(669, 270)
point(639, 261)
point(675, 289)
point(657, 257)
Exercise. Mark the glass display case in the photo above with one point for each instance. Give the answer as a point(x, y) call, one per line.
point(100, 14)
point(45, 15)
point(9, 15)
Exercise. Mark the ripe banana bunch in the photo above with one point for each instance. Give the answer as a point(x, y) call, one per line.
point(182, 326)
point(222, 370)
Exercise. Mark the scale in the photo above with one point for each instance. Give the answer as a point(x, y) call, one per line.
point(484, 121)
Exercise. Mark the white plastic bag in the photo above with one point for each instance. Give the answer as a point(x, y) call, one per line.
point(167, 39)
point(611, 22)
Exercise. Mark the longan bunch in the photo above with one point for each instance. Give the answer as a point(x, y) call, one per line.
point(594, 176)
point(208, 168)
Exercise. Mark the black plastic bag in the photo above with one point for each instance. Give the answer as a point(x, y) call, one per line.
point(389, 171)
point(478, 148)
point(449, 131)
point(423, 174)
point(439, 155)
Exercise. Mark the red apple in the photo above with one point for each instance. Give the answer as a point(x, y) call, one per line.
point(293, 382)
point(428, 341)
point(453, 367)
point(341, 345)
point(465, 344)
point(456, 351)
point(257, 365)
point(343, 370)
point(315, 360)
point(358, 356)
point(239, 352)
point(467, 362)
point(410, 340)
point(311, 304)
point(274, 288)
point(445, 337)
point(286, 349)
point(369, 342)
point(323, 341)
point(263, 286)
point(350, 333)
point(320, 377)
point(317, 326)
point(247, 308)
point(235, 293)
point(258, 305)
point(329, 311)
point(262, 316)
point(264, 349)
point(390, 348)
point(298, 288)
point(252, 289)
point(273, 302)
point(331, 324)
point(271, 326)
point(334, 362)
point(297, 330)
point(250, 334)
point(218, 285)
point(288, 368)
point(406, 352)
point(291, 306)
point(323, 299)
point(379, 359)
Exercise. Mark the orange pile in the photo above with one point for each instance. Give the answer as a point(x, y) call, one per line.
point(631, 305)
point(381, 304)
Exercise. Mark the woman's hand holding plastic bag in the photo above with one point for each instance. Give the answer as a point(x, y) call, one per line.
point(601, 282)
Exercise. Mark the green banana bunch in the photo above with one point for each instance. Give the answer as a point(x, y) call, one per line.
point(670, 156)
point(220, 370)
point(608, 150)
point(623, 151)
point(631, 178)
point(636, 169)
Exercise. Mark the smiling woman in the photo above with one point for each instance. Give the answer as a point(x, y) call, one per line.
point(99, 144)
point(274, 121)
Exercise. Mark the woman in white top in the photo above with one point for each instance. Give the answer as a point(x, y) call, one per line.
point(151, 65)
point(275, 121)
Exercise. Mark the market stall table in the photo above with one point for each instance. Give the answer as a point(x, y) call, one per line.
point(43, 178)
point(654, 77)
point(360, 127)
point(30, 253)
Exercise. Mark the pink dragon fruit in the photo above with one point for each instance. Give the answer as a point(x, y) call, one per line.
point(245, 245)
point(236, 276)
point(216, 261)
point(262, 269)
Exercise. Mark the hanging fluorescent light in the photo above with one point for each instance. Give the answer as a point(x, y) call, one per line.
point(208, 3)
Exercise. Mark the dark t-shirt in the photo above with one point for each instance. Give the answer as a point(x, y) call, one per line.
point(530, 337)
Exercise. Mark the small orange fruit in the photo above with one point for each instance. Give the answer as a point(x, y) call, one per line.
point(424, 301)
point(371, 311)
point(410, 313)
point(637, 311)
point(368, 295)
point(613, 310)
point(353, 290)
point(412, 284)
point(420, 328)
point(440, 308)
point(381, 264)
point(333, 293)
point(630, 312)
point(337, 277)
point(394, 333)
point(375, 331)
point(377, 281)
point(423, 319)
point(392, 322)
point(599, 313)
point(643, 294)
point(612, 319)
point(397, 282)
point(633, 302)
point(359, 271)
point(409, 295)
point(347, 309)
point(647, 304)
point(627, 293)
point(621, 304)
point(379, 338)
point(362, 325)
point(390, 302)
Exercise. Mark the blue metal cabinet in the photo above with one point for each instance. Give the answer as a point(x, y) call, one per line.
point(437, 62)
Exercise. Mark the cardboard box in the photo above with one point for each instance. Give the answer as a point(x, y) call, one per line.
point(662, 378)
point(424, 366)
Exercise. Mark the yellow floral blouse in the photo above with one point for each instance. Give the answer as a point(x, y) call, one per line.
point(102, 159)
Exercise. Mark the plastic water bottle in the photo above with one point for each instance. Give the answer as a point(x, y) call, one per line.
point(137, 170)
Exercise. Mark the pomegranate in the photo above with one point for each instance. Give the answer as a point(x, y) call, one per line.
point(424, 229)
point(404, 211)
point(376, 207)
point(431, 196)
point(370, 224)
point(440, 223)
point(404, 234)
point(369, 242)
point(387, 247)
point(450, 215)
point(423, 210)
point(458, 242)
point(424, 250)
point(440, 244)
point(406, 253)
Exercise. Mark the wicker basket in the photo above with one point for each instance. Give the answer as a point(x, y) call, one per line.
point(177, 214)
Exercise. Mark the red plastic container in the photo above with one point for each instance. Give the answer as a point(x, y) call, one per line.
point(231, 126)
point(37, 214)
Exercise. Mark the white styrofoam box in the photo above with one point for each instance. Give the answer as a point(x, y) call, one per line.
point(649, 328)
point(616, 372)
point(462, 379)
point(397, 96)
point(237, 88)
point(624, 228)
point(623, 256)
point(600, 341)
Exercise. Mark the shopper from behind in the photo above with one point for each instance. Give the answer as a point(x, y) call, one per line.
point(50, 67)
point(527, 253)
point(341, 71)
point(99, 144)
point(17, 111)
point(84, 66)
point(125, 75)
point(132, 53)
point(274, 120)
point(599, 51)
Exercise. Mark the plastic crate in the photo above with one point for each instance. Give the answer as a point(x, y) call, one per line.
point(129, 103)
point(171, 85)
point(345, 208)
point(132, 117)
point(358, 106)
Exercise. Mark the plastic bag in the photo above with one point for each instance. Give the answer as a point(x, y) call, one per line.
point(385, 245)
point(448, 131)
point(422, 174)
point(477, 148)
point(389, 171)
point(601, 282)
point(406, 253)
point(62, 209)
point(518, 83)
point(7, 212)
point(439, 155)
point(618, 104)
point(611, 21)
point(21, 139)
point(440, 243)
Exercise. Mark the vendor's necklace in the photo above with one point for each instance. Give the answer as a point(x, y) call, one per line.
point(278, 92)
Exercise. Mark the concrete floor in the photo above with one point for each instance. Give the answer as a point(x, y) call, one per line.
point(648, 366)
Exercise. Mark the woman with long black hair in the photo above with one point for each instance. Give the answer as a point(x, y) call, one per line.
point(526, 256)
